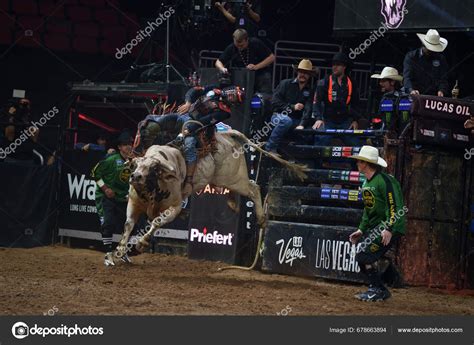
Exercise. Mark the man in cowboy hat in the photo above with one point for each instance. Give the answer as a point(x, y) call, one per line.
point(389, 79)
point(111, 176)
point(389, 109)
point(383, 220)
point(291, 103)
point(425, 69)
point(335, 102)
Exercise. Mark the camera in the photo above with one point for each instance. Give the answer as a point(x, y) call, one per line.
point(21, 331)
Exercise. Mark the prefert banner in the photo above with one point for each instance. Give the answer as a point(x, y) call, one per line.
point(213, 226)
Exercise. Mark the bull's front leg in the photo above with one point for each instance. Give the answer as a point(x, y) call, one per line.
point(133, 214)
point(165, 217)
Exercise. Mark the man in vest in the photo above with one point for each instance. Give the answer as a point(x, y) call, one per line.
point(395, 104)
point(425, 70)
point(383, 220)
point(335, 102)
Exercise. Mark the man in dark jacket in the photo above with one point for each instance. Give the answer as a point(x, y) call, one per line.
point(291, 104)
point(335, 102)
point(425, 70)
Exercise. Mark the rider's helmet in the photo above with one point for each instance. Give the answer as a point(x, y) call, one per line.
point(233, 95)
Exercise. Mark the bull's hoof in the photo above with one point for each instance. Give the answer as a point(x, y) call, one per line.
point(120, 251)
point(142, 245)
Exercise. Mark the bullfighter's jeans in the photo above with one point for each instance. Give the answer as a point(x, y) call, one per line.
point(368, 257)
point(112, 214)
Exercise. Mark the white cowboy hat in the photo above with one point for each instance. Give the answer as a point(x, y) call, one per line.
point(433, 41)
point(306, 65)
point(370, 154)
point(388, 73)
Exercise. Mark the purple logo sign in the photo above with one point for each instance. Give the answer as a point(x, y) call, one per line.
point(394, 12)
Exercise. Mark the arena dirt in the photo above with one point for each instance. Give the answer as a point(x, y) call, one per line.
point(74, 281)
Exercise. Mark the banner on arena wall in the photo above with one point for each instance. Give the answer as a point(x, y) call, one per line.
point(383, 15)
point(310, 250)
point(78, 216)
point(213, 226)
point(78, 210)
point(28, 205)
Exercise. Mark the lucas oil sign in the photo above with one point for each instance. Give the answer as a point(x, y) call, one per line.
point(310, 250)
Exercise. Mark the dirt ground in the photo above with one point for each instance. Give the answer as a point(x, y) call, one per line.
point(66, 281)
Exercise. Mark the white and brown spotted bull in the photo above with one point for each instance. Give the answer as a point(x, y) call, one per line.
point(157, 180)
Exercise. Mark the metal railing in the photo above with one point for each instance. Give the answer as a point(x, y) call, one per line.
point(289, 53)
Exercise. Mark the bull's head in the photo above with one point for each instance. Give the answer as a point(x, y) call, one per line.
point(393, 12)
point(151, 176)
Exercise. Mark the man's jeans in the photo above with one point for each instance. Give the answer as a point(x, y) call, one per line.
point(284, 124)
point(325, 140)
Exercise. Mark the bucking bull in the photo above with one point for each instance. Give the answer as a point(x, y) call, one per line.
point(157, 180)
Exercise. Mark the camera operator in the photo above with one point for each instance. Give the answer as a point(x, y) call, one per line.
point(15, 117)
point(249, 53)
point(242, 14)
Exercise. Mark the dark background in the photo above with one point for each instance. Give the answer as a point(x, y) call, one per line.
point(44, 72)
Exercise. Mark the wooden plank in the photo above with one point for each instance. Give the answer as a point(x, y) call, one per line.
point(313, 214)
point(316, 193)
point(324, 175)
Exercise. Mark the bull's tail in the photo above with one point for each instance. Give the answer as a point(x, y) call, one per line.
point(254, 264)
point(298, 169)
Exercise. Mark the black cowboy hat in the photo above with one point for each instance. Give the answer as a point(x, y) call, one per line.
point(124, 138)
point(341, 58)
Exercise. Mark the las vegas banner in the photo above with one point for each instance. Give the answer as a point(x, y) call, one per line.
point(310, 250)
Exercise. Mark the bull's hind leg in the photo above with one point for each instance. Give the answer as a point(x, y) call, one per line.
point(251, 190)
point(232, 202)
point(165, 217)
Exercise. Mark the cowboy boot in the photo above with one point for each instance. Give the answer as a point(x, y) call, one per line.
point(148, 132)
point(177, 142)
point(188, 182)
